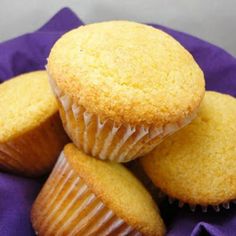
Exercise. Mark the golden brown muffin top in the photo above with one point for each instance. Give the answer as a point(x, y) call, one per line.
point(198, 164)
point(25, 102)
point(119, 190)
point(127, 72)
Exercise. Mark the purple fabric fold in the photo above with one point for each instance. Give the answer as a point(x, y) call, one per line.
point(30, 51)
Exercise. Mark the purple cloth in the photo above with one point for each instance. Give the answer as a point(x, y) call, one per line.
point(29, 52)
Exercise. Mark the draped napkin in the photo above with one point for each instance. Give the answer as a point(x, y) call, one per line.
point(30, 51)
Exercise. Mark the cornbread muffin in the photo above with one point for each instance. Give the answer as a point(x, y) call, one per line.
point(197, 165)
point(122, 87)
point(86, 196)
point(32, 135)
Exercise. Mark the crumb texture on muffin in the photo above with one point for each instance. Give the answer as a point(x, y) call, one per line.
point(119, 190)
point(25, 102)
point(197, 165)
point(127, 72)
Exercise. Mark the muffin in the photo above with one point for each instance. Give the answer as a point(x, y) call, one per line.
point(86, 196)
point(32, 134)
point(122, 87)
point(197, 165)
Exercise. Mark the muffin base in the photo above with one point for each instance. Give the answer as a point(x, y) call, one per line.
point(205, 208)
point(159, 196)
point(67, 206)
point(35, 152)
point(105, 139)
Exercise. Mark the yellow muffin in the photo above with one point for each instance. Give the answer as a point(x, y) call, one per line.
point(86, 196)
point(122, 87)
point(197, 165)
point(32, 135)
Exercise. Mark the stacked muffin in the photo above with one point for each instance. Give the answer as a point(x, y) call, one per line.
point(121, 89)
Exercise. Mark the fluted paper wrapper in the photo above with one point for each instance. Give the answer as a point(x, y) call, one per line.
point(105, 139)
point(67, 206)
point(204, 208)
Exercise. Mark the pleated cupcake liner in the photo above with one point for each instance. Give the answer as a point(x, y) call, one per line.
point(35, 152)
point(194, 207)
point(160, 196)
point(106, 139)
point(67, 206)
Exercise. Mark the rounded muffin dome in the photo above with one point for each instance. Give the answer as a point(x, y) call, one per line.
point(25, 102)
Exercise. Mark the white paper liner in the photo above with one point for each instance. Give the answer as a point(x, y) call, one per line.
point(69, 207)
point(110, 141)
